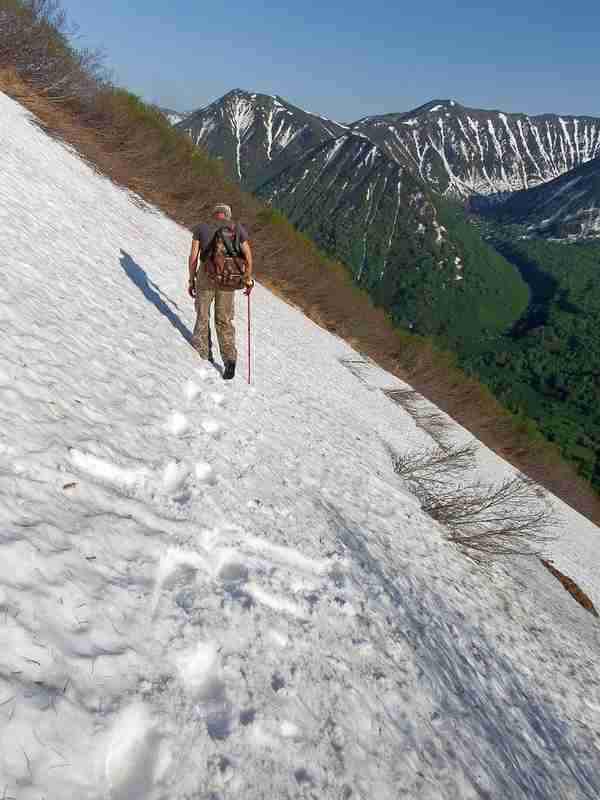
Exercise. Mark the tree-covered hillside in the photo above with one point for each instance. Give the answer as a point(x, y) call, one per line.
point(465, 308)
point(548, 367)
point(416, 254)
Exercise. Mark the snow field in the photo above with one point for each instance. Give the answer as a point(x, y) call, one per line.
point(211, 590)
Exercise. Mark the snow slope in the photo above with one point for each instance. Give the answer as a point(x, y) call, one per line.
point(211, 590)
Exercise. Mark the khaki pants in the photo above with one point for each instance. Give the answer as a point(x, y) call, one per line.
point(224, 313)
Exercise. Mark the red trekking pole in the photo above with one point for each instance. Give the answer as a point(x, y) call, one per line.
point(249, 350)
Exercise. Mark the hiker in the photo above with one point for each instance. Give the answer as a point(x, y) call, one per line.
point(216, 279)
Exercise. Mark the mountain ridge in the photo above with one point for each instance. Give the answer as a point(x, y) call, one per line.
point(463, 152)
point(457, 150)
point(250, 130)
point(567, 208)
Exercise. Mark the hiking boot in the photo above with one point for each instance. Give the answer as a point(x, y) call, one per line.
point(229, 370)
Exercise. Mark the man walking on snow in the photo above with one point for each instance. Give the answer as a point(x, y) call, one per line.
point(204, 291)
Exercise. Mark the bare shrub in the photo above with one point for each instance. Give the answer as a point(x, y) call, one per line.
point(436, 425)
point(506, 519)
point(407, 398)
point(510, 518)
point(434, 466)
point(35, 42)
point(431, 421)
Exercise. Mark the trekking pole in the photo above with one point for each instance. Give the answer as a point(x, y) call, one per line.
point(249, 350)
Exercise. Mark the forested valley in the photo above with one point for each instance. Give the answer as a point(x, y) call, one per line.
point(546, 367)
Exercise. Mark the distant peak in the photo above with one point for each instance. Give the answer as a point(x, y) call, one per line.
point(434, 105)
point(251, 97)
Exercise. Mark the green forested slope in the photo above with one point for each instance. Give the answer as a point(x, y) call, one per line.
point(465, 315)
point(548, 367)
point(416, 255)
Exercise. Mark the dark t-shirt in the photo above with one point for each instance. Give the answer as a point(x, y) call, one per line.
point(203, 233)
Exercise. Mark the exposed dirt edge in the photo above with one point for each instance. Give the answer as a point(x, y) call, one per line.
point(572, 588)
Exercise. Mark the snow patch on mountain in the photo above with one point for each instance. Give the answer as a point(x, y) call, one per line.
point(175, 117)
point(252, 131)
point(242, 116)
point(470, 152)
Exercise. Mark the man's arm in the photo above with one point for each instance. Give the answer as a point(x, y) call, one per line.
point(192, 266)
point(245, 248)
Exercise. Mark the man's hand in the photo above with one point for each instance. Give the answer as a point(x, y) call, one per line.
point(191, 288)
point(249, 284)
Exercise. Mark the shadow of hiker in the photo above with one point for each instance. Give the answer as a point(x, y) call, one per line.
point(466, 672)
point(152, 293)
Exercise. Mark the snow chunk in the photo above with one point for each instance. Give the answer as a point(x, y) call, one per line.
point(177, 424)
point(198, 670)
point(106, 471)
point(204, 472)
point(131, 756)
point(174, 476)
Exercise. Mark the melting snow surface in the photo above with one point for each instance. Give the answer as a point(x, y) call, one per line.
point(214, 590)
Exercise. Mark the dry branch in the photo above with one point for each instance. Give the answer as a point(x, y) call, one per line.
point(434, 466)
point(510, 518)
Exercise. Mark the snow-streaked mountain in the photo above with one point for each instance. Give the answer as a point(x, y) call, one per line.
point(567, 208)
point(345, 192)
point(363, 208)
point(215, 590)
point(255, 132)
point(458, 151)
point(462, 151)
point(175, 117)
point(466, 153)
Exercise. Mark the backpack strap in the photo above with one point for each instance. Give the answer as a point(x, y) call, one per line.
point(232, 242)
point(206, 252)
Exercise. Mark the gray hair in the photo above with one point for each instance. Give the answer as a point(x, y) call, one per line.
point(221, 208)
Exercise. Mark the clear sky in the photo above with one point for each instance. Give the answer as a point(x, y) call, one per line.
point(349, 60)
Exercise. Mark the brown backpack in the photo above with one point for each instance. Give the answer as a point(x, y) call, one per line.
point(224, 263)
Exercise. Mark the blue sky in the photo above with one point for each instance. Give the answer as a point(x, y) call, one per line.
point(349, 60)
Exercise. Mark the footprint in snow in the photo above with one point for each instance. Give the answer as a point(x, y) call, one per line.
point(232, 571)
point(177, 569)
point(212, 427)
point(230, 567)
point(191, 390)
point(204, 373)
